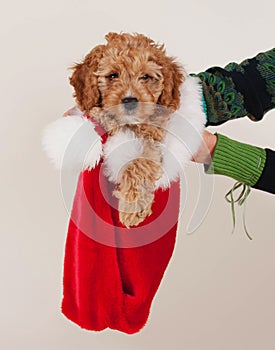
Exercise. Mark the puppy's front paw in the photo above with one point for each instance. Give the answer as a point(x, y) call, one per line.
point(134, 219)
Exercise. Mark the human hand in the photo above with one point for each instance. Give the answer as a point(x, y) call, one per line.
point(206, 150)
point(72, 111)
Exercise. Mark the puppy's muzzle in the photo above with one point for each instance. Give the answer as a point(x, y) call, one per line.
point(130, 103)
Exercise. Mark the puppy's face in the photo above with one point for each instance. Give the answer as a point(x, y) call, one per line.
point(128, 77)
point(130, 83)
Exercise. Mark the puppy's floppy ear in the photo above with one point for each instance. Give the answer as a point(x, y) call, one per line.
point(84, 80)
point(173, 75)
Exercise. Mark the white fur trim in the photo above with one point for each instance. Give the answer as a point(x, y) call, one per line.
point(184, 132)
point(71, 142)
point(118, 151)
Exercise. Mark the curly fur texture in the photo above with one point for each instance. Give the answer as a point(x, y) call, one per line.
point(136, 67)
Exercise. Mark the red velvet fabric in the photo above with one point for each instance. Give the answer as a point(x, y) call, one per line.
point(111, 273)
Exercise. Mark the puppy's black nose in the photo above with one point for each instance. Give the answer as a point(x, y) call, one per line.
point(130, 103)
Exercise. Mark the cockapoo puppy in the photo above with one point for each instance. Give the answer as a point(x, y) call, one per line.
point(123, 85)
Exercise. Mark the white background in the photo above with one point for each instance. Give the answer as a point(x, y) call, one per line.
point(218, 292)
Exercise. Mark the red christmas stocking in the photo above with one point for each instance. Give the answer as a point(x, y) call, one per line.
point(112, 273)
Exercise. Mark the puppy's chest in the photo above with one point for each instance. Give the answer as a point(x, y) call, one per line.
point(125, 147)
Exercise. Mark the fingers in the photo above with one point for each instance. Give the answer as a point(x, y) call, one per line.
point(207, 148)
point(72, 111)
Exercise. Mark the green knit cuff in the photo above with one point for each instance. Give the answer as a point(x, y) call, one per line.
point(240, 161)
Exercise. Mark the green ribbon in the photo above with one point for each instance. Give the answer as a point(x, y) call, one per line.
point(241, 200)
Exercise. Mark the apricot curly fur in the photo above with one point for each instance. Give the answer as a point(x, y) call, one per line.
point(131, 65)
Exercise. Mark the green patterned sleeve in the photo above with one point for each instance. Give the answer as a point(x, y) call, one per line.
point(241, 89)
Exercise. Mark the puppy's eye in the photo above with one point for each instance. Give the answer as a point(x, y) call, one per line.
point(145, 77)
point(112, 76)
